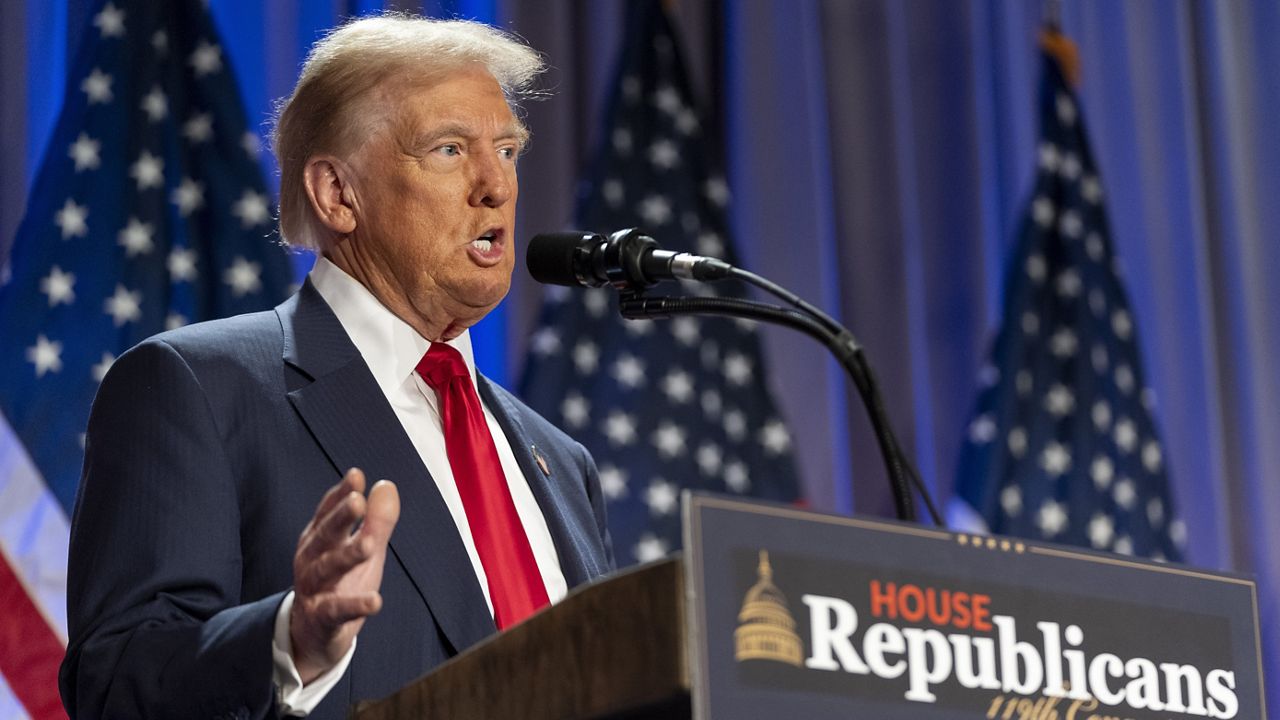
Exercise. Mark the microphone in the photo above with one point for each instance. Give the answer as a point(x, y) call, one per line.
point(627, 259)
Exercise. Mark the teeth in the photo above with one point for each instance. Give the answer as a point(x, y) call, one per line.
point(482, 244)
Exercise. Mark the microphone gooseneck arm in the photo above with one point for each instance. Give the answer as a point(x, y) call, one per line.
point(632, 262)
point(902, 476)
point(850, 354)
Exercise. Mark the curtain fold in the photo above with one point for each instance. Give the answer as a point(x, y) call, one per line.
point(783, 219)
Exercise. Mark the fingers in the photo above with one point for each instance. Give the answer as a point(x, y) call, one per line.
point(325, 571)
point(337, 572)
point(332, 529)
point(382, 513)
point(352, 481)
point(331, 609)
point(328, 550)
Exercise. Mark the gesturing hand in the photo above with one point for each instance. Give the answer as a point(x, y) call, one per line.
point(337, 572)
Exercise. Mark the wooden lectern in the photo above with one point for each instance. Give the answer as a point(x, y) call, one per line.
point(612, 649)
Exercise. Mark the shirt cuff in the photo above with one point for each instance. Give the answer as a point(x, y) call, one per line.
point(293, 697)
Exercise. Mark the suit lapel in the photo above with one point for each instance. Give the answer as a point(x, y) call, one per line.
point(351, 420)
point(548, 493)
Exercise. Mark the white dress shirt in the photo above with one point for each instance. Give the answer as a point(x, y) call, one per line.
point(392, 350)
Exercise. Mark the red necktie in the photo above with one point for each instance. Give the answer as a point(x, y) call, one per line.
point(515, 584)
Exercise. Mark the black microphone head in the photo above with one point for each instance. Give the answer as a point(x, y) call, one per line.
point(550, 257)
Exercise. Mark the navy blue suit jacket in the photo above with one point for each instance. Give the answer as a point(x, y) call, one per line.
point(207, 452)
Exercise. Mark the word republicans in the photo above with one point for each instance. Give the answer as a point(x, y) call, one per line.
point(1004, 663)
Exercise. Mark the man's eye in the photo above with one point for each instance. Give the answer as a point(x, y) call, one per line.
point(508, 153)
point(450, 150)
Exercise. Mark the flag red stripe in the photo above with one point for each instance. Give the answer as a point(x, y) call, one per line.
point(30, 652)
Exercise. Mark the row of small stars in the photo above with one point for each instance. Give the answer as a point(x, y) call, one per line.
point(46, 355)
point(97, 85)
point(1066, 165)
point(1052, 519)
point(663, 154)
point(629, 370)
point(1103, 473)
point(73, 218)
point(125, 306)
point(575, 409)
point(657, 210)
point(1067, 283)
point(148, 172)
point(650, 547)
point(197, 129)
point(85, 151)
point(666, 98)
point(1060, 400)
point(1069, 223)
point(1121, 322)
point(1064, 345)
point(205, 60)
point(711, 462)
point(1056, 459)
point(621, 430)
point(1123, 376)
point(242, 277)
point(660, 495)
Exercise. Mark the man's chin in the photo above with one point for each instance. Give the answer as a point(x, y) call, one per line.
point(474, 303)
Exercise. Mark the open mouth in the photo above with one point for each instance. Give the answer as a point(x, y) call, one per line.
point(488, 239)
point(487, 248)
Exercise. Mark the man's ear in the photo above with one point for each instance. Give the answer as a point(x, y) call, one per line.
point(327, 182)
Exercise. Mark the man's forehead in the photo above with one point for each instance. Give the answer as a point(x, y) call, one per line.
point(459, 98)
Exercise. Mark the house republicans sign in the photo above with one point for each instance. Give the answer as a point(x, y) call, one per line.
point(803, 615)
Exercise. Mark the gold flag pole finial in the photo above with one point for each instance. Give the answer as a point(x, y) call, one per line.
point(1059, 46)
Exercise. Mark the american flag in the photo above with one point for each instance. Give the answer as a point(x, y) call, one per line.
point(1063, 444)
point(149, 212)
point(663, 405)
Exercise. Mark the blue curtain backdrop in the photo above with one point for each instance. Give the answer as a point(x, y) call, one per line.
point(879, 152)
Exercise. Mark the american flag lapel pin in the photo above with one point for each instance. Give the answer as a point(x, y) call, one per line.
point(542, 462)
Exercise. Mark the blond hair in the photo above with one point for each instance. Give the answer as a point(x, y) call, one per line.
point(346, 66)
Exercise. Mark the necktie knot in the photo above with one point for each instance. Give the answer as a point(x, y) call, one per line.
point(440, 365)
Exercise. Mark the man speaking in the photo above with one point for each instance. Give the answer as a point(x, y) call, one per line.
point(227, 559)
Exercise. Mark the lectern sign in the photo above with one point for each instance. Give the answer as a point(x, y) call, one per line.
point(800, 615)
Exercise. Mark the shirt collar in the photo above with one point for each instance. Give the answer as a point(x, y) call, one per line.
point(389, 346)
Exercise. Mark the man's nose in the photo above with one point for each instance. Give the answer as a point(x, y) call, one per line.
point(493, 182)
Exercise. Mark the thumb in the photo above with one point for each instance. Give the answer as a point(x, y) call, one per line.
point(382, 511)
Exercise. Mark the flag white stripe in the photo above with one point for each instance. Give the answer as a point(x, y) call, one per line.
point(10, 708)
point(34, 532)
